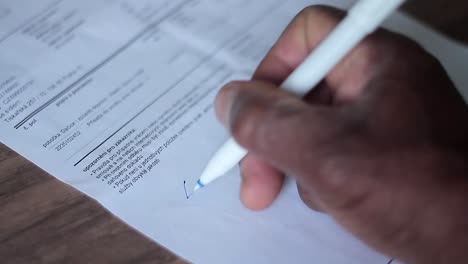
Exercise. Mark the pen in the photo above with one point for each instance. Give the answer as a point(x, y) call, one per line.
point(362, 19)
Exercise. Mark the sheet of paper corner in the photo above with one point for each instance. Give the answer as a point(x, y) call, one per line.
point(213, 227)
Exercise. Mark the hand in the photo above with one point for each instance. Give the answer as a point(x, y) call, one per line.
point(381, 144)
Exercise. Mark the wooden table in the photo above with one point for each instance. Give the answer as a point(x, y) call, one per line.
point(45, 221)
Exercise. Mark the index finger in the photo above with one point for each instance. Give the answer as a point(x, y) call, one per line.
point(301, 36)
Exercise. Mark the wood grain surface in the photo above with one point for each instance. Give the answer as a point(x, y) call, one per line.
point(45, 221)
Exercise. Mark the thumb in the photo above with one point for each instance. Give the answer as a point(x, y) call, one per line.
point(283, 130)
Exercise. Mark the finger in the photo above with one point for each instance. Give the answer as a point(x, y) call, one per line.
point(261, 183)
point(301, 36)
point(347, 80)
point(281, 129)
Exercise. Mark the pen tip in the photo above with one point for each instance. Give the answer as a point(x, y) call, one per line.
point(198, 186)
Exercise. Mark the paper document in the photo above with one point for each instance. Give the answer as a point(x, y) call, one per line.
point(115, 97)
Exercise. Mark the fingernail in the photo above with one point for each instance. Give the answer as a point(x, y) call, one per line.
point(224, 100)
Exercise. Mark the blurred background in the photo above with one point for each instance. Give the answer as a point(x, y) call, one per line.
point(449, 17)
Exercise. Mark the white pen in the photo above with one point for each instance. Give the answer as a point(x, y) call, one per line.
point(362, 19)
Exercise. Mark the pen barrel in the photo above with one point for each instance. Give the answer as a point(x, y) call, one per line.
point(362, 20)
point(224, 160)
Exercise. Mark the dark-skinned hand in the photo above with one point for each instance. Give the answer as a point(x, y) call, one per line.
point(381, 145)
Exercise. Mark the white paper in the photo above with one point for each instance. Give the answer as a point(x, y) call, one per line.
point(114, 97)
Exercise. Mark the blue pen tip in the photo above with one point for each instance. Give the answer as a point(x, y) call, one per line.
point(198, 186)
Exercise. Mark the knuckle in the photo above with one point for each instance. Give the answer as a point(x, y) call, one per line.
point(345, 185)
point(369, 52)
point(333, 176)
point(395, 49)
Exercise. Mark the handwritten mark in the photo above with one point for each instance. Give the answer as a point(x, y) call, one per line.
point(391, 261)
point(185, 189)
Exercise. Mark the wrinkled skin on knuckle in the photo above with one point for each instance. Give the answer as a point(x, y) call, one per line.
point(382, 55)
point(416, 100)
point(340, 166)
point(343, 185)
point(349, 79)
point(396, 116)
point(401, 57)
point(300, 136)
